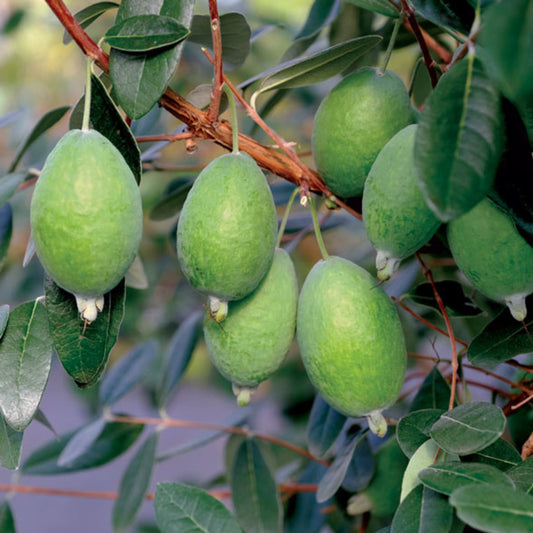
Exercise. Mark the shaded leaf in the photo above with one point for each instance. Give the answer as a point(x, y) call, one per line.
point(414, 429)
point(136, 276)
point(499, 454)
point(48, 120)
point(42, 419)
point(434, 393)
point(25, 359)
point(10, 447)
point(179, 353)
point(494, 509)
point(502, 20)
point(501, 340)
point(468, 428)
point(10, 182)
point(134, 485)
point(300, 221)
point(323, 427)
point(86, 16)
point(6, 229)
point(383, 7)
point(456, 14)
point(173, 199)
point(10, 117)
point(4, 316)
point(180, 508)
point(113, 441)
point(459, 140)
point(254, 492)
point(127, 372)
point(81, 443)
point(140, 79)
point(200, 97)
point(235, 34)
point(423, 511)
point(522, 475)
point(453, 297)
point(445, 478)
point(83, 349)
point(7, 521)
point(361, 467)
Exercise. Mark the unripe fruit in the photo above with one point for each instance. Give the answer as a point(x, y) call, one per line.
point(493, 256)
point(227, 228)
point(86, 217)
point(253, 340)
point(351, 339)
point(352, 125)
point(396, 217)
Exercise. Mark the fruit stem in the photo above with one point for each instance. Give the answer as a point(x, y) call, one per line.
point(234, 124)
point(318, 233)
point(87, 106)
point(283, 224)
point(390, 46)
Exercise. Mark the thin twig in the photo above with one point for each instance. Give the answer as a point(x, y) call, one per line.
point(164, 137)
point(216, 94)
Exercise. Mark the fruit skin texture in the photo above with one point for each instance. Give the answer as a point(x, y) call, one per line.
point(253, 340)
point(493, 256)
point(227, 228)
point(352, 125)
point(350, 336)
point(86, 214)
point(396, 217)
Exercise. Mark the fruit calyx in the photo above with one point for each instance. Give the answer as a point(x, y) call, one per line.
point(218, 308)
point(516, 304)
point(377, 423)
point(243, 394)
point(89, 307)
point(386, 265)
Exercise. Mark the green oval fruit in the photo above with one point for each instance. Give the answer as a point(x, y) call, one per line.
point(352, 125)
point(86, 217)
point(396, 217)
point(493, 256)
point(227, 228)
point(350, 338)
point(253, 340)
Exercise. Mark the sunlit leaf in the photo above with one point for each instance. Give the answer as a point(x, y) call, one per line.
point(413, 429)
point(81, 443)
point(522, 475)
point(500, 454)
point(10, 447)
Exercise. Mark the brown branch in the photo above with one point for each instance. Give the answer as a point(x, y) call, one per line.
point(218, 83)
point(164, 137)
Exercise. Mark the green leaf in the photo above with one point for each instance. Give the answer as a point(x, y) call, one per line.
point(459, 140)
point(434, 393)
point(145, 33)
point(501, 340)
point(48, 120)
point(81, 442)
point(127, 372)
point(323, 427)
point(383, 7)
point(453, 13)
point(10, 447)
point(9, 184)
point(178, 355)
point(423, 511)
point(499, 454)
point(6, 229)
point(7, 522)
point(494, 509)
point(25, 359)
point(522, 475)
point(140, 79)
point(413, 429)
point(180, 508)
point(113, 441)
point(445, 478)
point(108, 120)
point(361, 468)
point(235, 33)
point(468, 428)
point(455, 301)
point(134, 485)
point(504, 19)
point(254, 492)
point(316, 67)
point(172, 200)
point(4, 317)
point(86, 16)
point(82, 348)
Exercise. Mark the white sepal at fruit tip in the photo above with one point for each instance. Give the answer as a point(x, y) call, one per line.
point(386, 265)
point(517, 306)
point(218, 308)
point(243, 394)
point(358, 504)
point(89, 307)
point(377, 423)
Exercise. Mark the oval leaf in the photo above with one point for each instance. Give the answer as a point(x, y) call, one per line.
point(468, 428)
point(144, 33)
point(494, 509)
point(10, 447)
point(134, 485)
point(7, 522)
point(180, 508)
point(323, 427)
point(383, 7)
point(25, 359)
point(445, 478)
point(127, 372)
point(114, 440)
point(459, 140)
point(140, 79)
point(522, 475)
point(173, 199)
point(81, 442)
point(86, 16)
point(254, 492)
point(413, 429)
point(434, 393)
point(178, 355)
point(82, 348)
point(499, 454)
